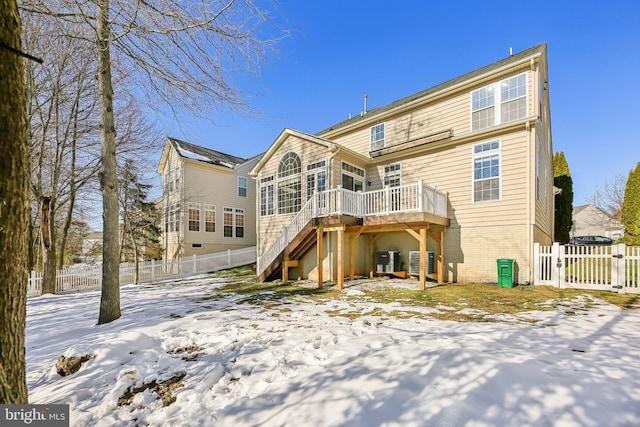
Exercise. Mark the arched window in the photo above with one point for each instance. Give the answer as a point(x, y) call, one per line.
point(289, 165)
point(289, 184)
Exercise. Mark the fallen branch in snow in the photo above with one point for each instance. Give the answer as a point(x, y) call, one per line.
point(70, 365)
point(164, 389)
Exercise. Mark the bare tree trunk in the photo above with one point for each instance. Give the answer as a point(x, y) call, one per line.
point(136, 259)
point(110, 300)
point(47, 239)
point(14, 210)
point(71, 203)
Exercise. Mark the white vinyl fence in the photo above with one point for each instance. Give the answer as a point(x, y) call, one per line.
point(90, 277)
point(609, 268)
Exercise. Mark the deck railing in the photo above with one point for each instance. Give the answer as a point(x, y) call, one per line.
point(339, 201)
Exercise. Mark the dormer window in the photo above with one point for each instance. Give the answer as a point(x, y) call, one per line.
point(377, 137)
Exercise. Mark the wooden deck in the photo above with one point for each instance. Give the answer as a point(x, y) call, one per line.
point(418, 225)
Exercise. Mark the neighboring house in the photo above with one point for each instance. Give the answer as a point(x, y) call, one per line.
point(449, 180)
point(208, 200)
point(92, 246)
point(588, 220)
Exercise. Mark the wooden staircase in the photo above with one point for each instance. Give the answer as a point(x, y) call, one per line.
point(300, 245)
point(294, 251)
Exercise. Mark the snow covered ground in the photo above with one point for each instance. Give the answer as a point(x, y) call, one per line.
point(295, 365)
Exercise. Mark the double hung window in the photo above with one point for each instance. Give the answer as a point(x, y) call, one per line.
point(499, 103)
point(172, 218)
point(172, 181)
point(242, 186)
point(486, 172)
point(233, 219)
point(209, 218)
point(377, 136)
point(194, 216)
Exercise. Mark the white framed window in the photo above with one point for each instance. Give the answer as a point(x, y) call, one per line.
point(486, 171)
point(266, 196)
point(233, 221)
point(393, 175)
point(501, 102)
point(316, 177)
point(352, 177)
point(209, 218)
point(194, 216)
point(393, 178)
point(173, 218)
point(377, 136)
point(483, 108)
point(239, 223)
point(172, 180)
point(513, 94)
point(289, 184)
point(242, 186)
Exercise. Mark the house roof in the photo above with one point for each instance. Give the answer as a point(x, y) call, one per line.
point(322, 137)
point(186, 150)
point(510, 61)
point(196, 152)
point(578, 209)
point(307, 137)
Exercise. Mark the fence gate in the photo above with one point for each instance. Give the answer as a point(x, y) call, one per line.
point(608, 268)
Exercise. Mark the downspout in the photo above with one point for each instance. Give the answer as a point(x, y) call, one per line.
point(530, 203)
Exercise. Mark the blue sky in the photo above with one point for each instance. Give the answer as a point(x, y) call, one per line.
point(340, 50)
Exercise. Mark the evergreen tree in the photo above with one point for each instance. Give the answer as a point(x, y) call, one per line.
point(140, 233)
point(631, 208)
point(564, 201)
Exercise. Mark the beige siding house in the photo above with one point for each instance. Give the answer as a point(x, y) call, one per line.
point(588, 220)
point(438, 185)
point(208, 200)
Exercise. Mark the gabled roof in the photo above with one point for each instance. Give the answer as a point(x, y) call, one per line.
point(190, 151)
point(480, 73)
point(196, 152)
point(286, 132)
point(578, 209)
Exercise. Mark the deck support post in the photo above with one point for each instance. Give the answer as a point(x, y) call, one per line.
point(441, 259)
point(423, 259)
point(320, 250)
point(352, 266)
point(340, 258)
point(287, 264)
point(372, 254)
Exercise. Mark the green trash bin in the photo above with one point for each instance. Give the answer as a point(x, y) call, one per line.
point(505, 273)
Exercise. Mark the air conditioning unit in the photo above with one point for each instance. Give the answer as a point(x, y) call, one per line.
point(387, 261)
point(414, 263)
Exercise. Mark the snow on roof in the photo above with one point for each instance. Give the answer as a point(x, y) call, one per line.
point(203, 154)
point(191, 155)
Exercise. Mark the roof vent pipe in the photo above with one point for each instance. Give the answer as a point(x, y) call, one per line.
point(365, 103)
